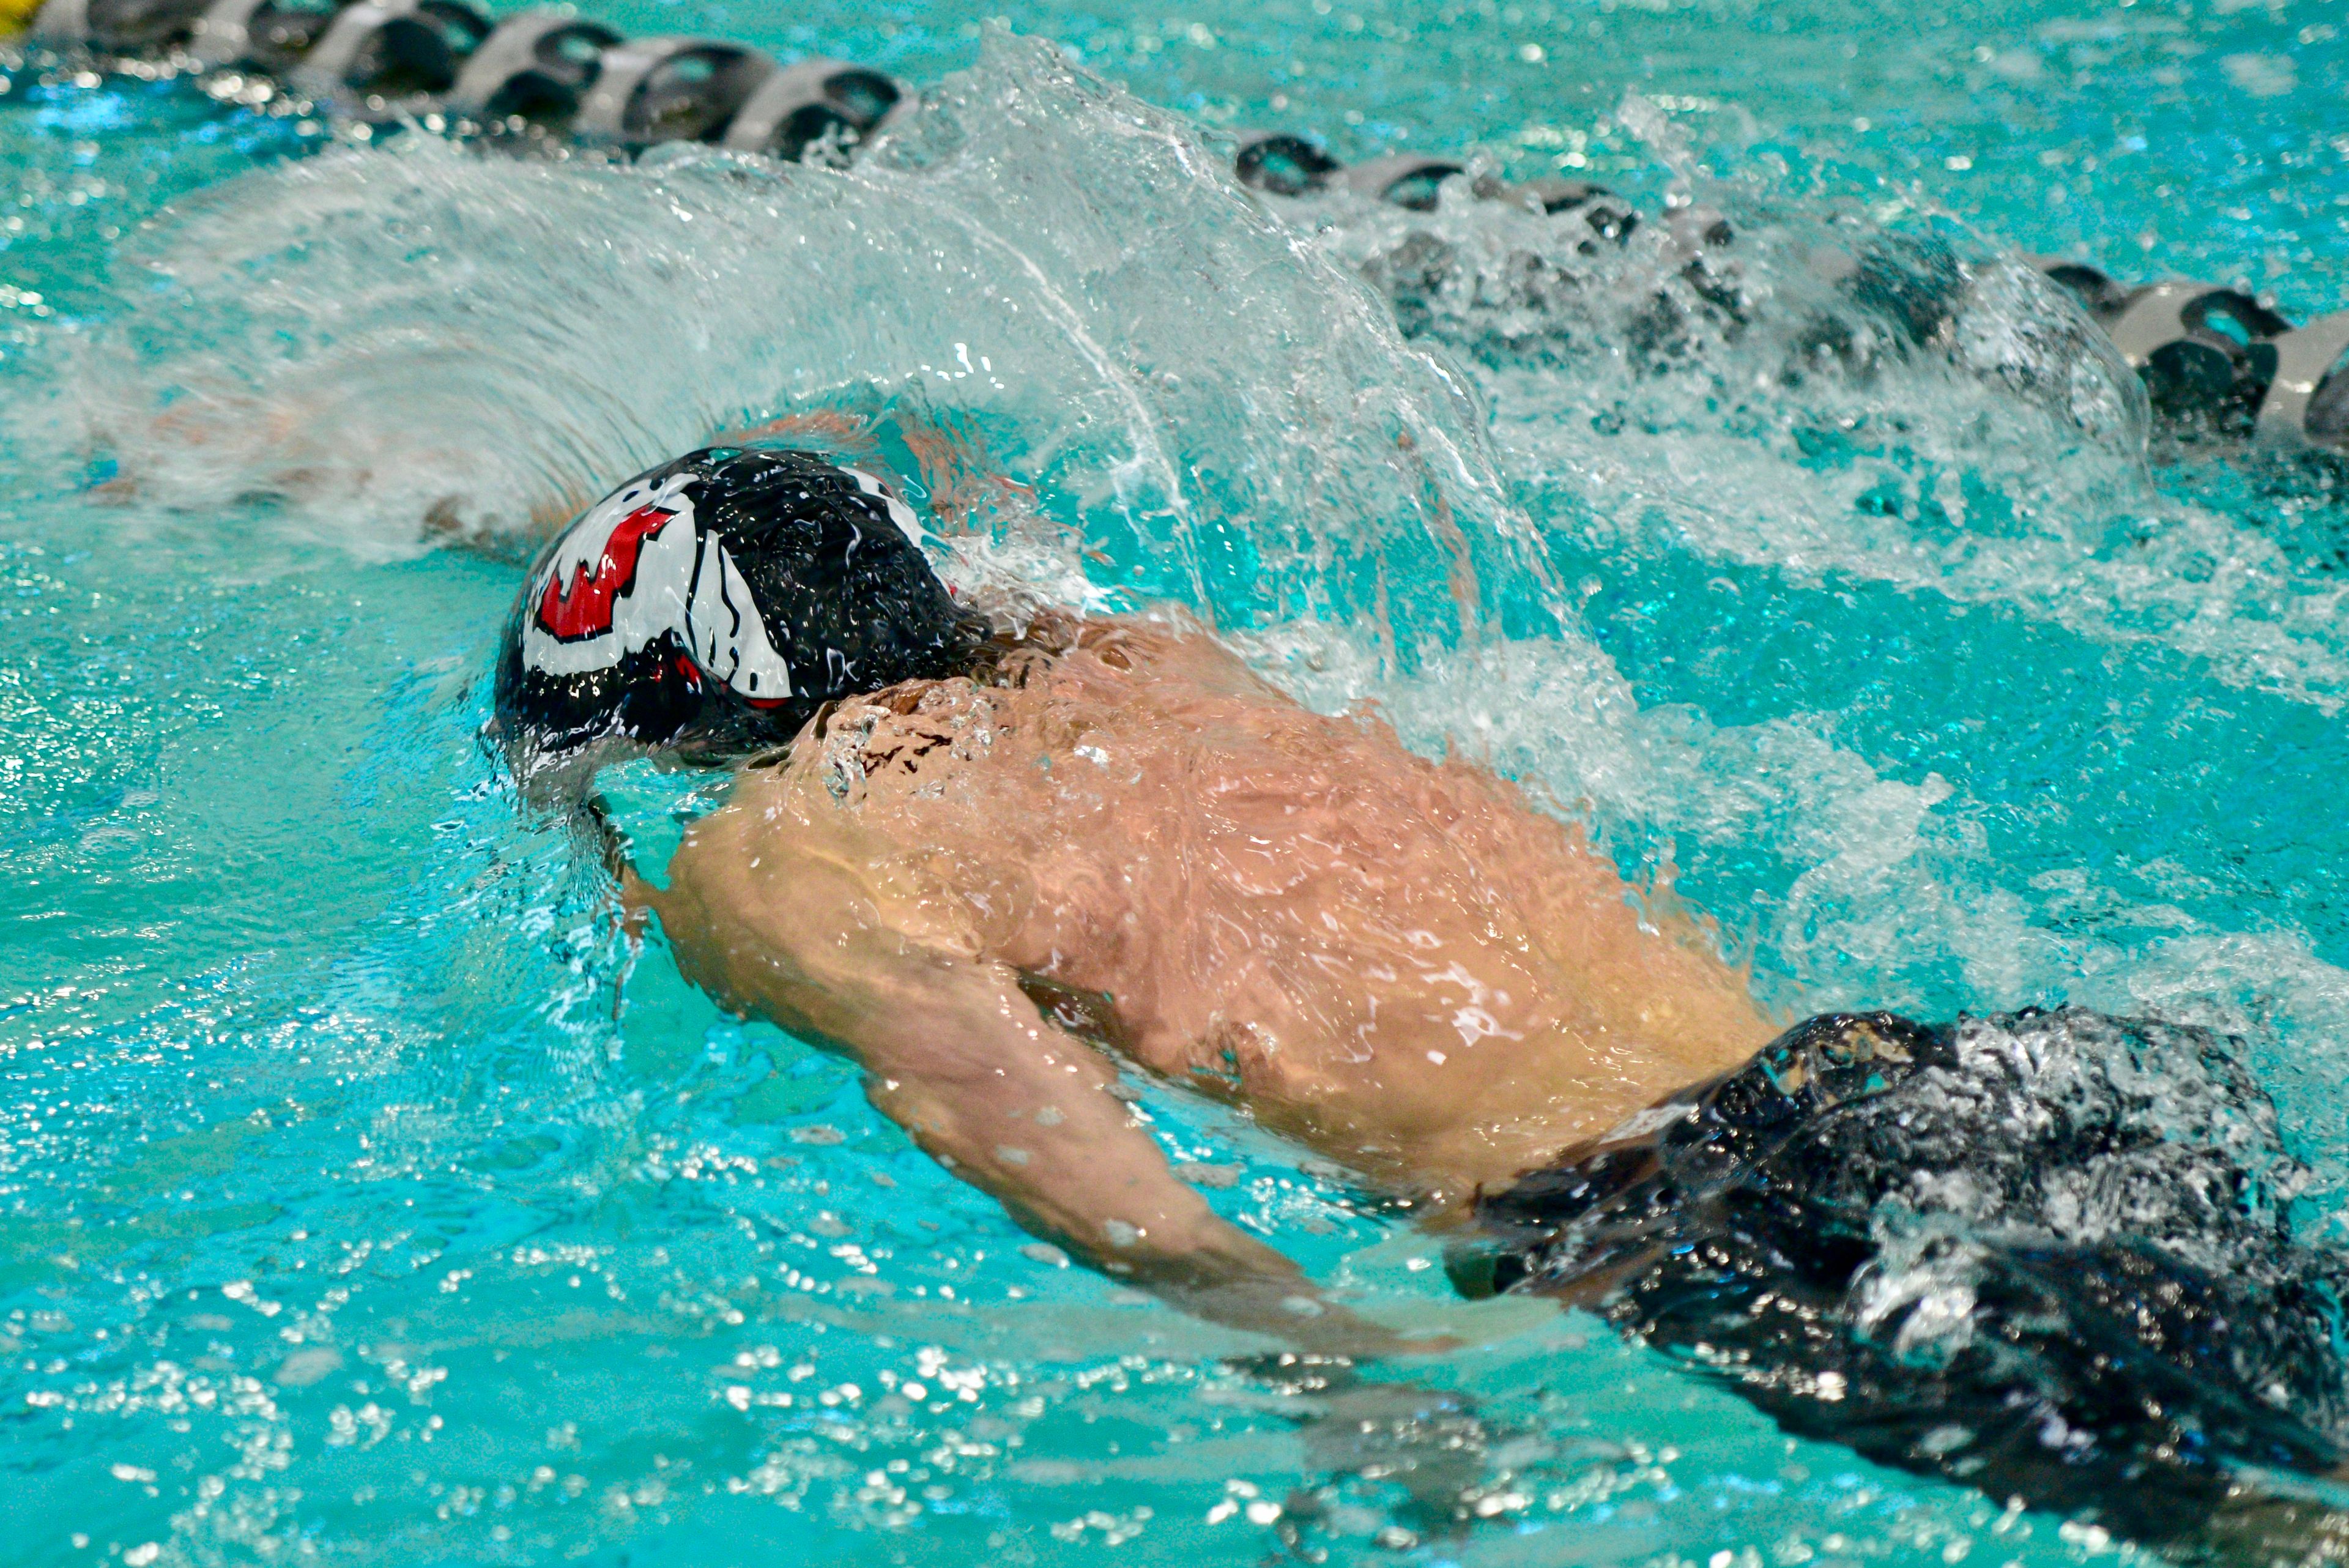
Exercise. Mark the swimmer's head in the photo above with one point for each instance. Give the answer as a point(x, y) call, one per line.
point(710, 606)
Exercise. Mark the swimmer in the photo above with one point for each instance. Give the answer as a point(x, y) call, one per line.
point(996, 865)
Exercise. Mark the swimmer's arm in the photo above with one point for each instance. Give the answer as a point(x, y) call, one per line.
point(956, 1055)
point(961, 1059)
point(962, 482)
point(848, 434)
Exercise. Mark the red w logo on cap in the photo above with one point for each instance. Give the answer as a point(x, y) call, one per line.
point(584, 609)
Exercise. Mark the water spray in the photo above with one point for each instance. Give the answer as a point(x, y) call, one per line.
point(2212, 357)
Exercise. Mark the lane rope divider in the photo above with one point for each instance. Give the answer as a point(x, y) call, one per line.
point(2213, 359)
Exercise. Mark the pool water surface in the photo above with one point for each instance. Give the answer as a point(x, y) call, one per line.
point(365, 1198)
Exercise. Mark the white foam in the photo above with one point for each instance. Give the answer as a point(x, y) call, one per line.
point(2004, 463)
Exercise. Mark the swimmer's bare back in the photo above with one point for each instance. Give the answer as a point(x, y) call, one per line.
point(1120, 840)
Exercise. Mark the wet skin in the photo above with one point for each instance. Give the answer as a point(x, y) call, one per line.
point(1117, 841)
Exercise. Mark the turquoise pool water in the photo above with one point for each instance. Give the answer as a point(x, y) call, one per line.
point(362, 1201)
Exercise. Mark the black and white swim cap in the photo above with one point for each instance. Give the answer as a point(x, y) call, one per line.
point(716, 602)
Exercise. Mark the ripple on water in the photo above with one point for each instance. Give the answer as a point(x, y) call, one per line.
point(363, 1196)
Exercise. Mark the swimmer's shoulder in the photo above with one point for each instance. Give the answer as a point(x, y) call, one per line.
point(1166, 651)
point(851, 744)
point(1161, 662)
point(777, 813)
